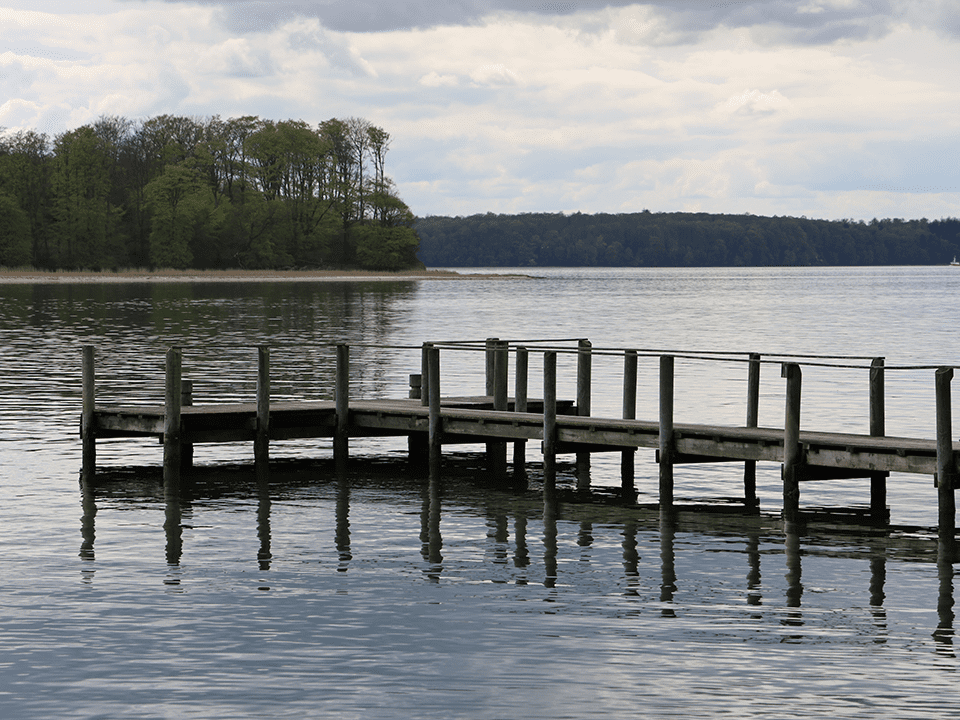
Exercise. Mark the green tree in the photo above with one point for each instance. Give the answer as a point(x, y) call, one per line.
point(180, 205)
point(15, 235)
point(85, 221)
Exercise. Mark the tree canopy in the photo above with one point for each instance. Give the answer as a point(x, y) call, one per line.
point(179, 192)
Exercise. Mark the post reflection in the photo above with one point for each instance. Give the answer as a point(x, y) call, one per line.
point(945, 632)
point(342, 538)
point(498, 531)
point(878, 579)
point(264, 555)
point(754, 595)
point(431, 541)
point(521, 555)
point(668, 571)
point(88, 503)
point(550, 508)
point(173, 528)
point(631, 559)
point(793, 577)
point(585, 540)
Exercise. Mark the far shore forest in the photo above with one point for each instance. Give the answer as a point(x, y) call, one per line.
point(648, 239)
point(246, 193)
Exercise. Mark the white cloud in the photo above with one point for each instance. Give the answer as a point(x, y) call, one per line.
point(509, 106)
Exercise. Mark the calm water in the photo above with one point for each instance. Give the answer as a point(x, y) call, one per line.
point(377, 595)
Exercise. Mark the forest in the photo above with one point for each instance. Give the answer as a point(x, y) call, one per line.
point(648, 239)
point(183, 192)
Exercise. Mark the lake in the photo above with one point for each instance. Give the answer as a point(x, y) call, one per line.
point(378, 595)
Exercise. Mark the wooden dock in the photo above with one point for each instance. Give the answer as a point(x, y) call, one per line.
point(497, 419)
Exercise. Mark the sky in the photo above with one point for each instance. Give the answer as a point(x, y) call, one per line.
point(821, 108)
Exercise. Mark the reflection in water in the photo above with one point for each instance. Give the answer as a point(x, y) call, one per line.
point(878, 579)
point(754, 595)
point(945, 632)
point(585, 540)
point(173, 527)
point(549, 538)
point(264, 555)
point(430, 539)
point(343, 523)
point(631, 559)
point(668, 571)
point(498, 531)
point(794, 585)
point(88, 502)
point(521, 557)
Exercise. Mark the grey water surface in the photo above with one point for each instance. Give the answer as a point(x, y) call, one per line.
point(378, 595)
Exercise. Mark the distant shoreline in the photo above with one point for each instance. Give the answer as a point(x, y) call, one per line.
point(170, 276)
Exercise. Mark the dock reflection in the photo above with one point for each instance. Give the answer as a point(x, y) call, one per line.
point(587, 525)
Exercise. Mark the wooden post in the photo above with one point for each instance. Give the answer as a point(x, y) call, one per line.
point(792, 454)
point(549, 420)
point(490, 356)
point(261, 444)
point(520, 406)
point(878, 481)
point(584, 372)
point(417, 446)
point(627, 457)
point(425, 375)
point(88, 431)
point(497, 449)
point(750, 500)
point(666, 449)
point(342, 401)
point(171, 423)
point(433, 390)
point(946, 470)
point(186, 400)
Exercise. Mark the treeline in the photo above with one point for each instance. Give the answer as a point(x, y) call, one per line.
point(680, 240)
point(183, 192)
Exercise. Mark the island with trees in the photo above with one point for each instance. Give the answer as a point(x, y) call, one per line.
point(181, 192)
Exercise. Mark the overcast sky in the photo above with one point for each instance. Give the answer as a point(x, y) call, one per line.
point(823, 108)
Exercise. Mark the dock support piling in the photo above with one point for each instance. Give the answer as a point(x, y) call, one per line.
point(261, 445)
point(666, 444)
point(88, 431)
point(627, 457)
point(946, 469)
point(490, 356)
point(549, 421)
point(433, 390)
point(172, 451)
point(186, 400)
point(342, 401)
point(497, 449)
point(750, 500)
point(425, 374)
point(792, 454)
point(878, 481)
point(520, 406)
point(584, 373)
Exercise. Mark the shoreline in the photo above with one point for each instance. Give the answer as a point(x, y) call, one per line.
point(210, 276)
